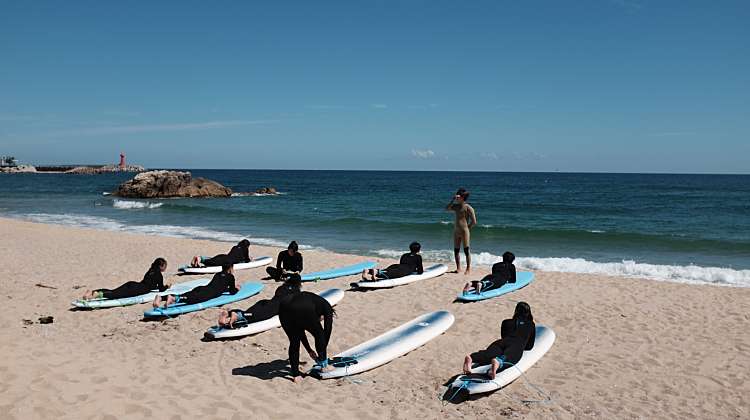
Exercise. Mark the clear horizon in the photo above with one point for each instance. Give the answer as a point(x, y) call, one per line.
point(597, 86)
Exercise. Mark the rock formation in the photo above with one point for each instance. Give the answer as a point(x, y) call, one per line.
point(168, 184)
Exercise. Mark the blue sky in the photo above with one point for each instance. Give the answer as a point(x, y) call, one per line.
point(585, 85)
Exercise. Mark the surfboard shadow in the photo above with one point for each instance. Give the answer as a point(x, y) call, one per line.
point(265, 370)
point(455, 396)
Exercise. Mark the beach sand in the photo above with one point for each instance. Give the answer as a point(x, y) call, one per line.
point(626, 348)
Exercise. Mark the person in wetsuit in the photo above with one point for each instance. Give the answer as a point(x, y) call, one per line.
point(239, 253)
point(517, 334)
point(466, 218)
point(502, 272)
point(220, 283)
point(288, 262)
point(152, 280)
point(301, 313)
point(263, 309)
point(410, 263)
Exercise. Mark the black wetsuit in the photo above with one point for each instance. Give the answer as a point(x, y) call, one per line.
point(409, 264)
point(268, 308)
point(517, 336)
point(220, 283)
point(238, 254)
point(302, 313)
point(152, 280)
point(502, 273)
point(287, 262)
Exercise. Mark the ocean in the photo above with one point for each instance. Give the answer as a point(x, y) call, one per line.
point(682, 228)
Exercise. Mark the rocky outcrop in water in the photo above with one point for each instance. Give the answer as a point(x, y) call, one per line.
point(170, 184)
point(266, 191)
point(18, 169)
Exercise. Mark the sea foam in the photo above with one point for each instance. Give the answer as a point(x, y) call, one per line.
point(129, 205)
point(691, 274)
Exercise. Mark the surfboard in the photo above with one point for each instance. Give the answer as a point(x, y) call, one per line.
point(339, 272)
point(247, 290)
point(258, 262)
point(478, 382)
point(333, 296)
point(434, 271)
point(135, 300)
point(523, 278)
point(389, 346)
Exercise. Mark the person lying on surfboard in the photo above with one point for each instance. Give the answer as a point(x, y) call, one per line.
point(152, 280)
point(239, 253)
point(287, 263)
point(263, 309)
point(410, 263)
point(517, 334)
point(220, 283)
point(502, 272)
point(304, 312)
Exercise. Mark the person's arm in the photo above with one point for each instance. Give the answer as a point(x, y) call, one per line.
point(532, 338)
point(472, 217)
point(420, 268)
point(160, 282)
point(449, 207)
point(512, 273)
point(300, 263)
point(246, 254)
point(231, 284)
point(306, 343)
point(279, 260)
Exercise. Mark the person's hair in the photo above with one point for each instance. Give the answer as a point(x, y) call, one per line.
point(463, 193)
point(414, 247)
point(508, 257)
point(158, 263)
point(244, 243)
point(523, 312)
point(294, 280)
point(293, 246)
point(226, 266)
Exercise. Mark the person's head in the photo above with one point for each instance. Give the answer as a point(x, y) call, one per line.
point(292, 248)
point(159, 264)
point(415, 247)
point(462, 195)
point(508, 257)
point(227, 268)
point(294, 281)
point(523, 312)
point(244, 243)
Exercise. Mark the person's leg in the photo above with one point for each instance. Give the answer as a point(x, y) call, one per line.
point(129, 289)
point(364, 274)
point(468, 260)
point(294, 336)
point(494, 366)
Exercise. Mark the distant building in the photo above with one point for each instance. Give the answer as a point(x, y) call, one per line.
point(122, 162)
point(8, 162)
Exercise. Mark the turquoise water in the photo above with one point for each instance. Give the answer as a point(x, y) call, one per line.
point(692, 228)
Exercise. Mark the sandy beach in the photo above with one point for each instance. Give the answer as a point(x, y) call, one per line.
point(626, 348)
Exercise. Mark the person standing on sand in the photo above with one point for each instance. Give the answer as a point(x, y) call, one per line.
point(466, 218)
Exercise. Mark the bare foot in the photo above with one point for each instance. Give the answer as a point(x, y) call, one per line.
point(494, 366)
point(297, 379)
point(467, 365)
point(467, 272)
point(156, 302)
point(88, 295)
point(170, 300)
point(327, 368)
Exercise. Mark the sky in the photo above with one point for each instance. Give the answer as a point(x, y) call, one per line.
point(575, 86)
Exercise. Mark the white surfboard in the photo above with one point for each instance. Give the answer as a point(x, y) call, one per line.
point(478, 382)
point(176, 289)
point(258, 262)
point(333, 296)
point(434, 271)
point(391, 345)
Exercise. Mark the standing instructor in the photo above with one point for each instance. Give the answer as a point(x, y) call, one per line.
point(466, 218)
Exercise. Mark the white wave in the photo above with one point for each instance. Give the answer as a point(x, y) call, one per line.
point(255, 194)
point(691, 274)
point(106, 193)
point(129, 205)
point(172, 231)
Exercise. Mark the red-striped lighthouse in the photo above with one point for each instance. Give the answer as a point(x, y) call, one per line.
point(122, 161)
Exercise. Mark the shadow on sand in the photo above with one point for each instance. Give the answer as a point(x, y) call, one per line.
point(265, 370)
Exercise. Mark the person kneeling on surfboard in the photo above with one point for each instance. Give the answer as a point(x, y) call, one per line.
point(517, 334)
point(502, 272)
point(263, 309)
point(239, 253)
point(304, 312)
point(152, 280)
point(410, 263)
point(220, 283)
point(287, 263)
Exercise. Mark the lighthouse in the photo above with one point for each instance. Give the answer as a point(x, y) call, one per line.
point(122, 161)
